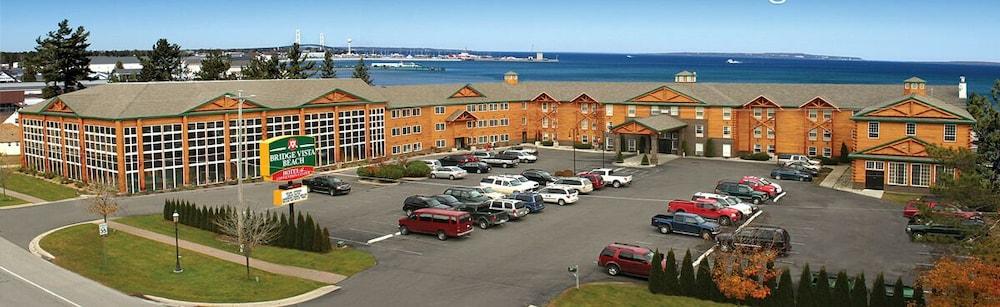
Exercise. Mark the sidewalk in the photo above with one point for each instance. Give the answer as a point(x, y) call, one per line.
point(25, 197)
point(314, 275)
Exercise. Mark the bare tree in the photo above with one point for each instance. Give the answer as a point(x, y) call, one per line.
point(246, 229)
point(103, 203)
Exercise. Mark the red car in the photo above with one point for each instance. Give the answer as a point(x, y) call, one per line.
point(594, 179)
point(762, 184)
point(706, 209)
point(621, 258)
point(440, 222)
point(912, 209)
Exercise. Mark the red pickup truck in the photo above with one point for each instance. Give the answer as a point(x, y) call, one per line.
point(912, 209)
point(708, 210)
point(761, 184)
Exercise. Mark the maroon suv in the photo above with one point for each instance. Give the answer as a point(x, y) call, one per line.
point(621, 258)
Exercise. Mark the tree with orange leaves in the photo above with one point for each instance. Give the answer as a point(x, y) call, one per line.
point(744, 273)
point(968, 282)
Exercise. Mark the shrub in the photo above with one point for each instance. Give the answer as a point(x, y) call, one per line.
point(391, 171)
point(760, 156)
point(843, 153)
point(565, 173)
point(546, 143)
point(364, 171)
point(828, 161)
point(645, 160)
point(709, 149)
point(583, 146)
point(417, 169)
point(619, 158)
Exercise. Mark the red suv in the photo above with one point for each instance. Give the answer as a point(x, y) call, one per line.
point(761, 184)
point(594, 179)
point(706, 209)
point(912, 209)
point(621, 258)
point(441, 222)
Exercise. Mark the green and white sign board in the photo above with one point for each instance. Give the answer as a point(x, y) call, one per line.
point(286, 158)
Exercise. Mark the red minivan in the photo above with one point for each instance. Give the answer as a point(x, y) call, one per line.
point(440, 222)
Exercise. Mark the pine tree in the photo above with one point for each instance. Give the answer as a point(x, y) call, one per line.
point(261, 67)
point(326, 242)
point(300, 225)
point(877, 296)
point(361, 71)
point(704, 284)
point(656, 279)
point(784, 295)
point(859, 293)
point(328, 69)
point(687, 281)
point(307, 234)
point(843, 153)
point(841, 290)
point(822, 289)
point(166, 208)
point(119, 65)
point(281, 240)
point(918, 295)
point(297, 67)
point(804, 295)
point(670, 283)
point(897, 299)
point(215, 66)
point(62, 59)
point(318, 239)
point(163, 63)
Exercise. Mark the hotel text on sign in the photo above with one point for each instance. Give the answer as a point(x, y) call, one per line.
point(284, 197)
point(287, 157)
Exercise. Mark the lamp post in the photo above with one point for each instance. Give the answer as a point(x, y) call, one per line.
point(177, 246)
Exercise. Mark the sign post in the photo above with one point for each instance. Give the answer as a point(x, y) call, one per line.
point(287, 158)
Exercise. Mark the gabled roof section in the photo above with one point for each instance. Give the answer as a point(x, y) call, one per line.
point(543, 97)
point(916, 107)
point(914, 79)
point(761, 102)
point(665, 94)
point(461, 116)
point(583, 98)
point(658, 123)
point(223, 103)
point(907, 147)
point(58, 106)
point(818, 102)
point(336, 96)
point(467, 91)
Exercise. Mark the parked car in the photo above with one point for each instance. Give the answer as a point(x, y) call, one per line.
point(805, 167)
point(481, 213)
point(475, 167)
point(416, 202)
point(742, 191)
point(433, 164)
point(756, 237)
point(522, 156)
point(532, 200)
point(514, 208)
point(450, 172)
point(580, 184)
point(782, 173)
point(706, 209)
point(560, 196)
point(454, 160)
point(912, 210)
point(734, 202)
point(472, 194)
point(543, 178)
point(608, 175)
point(594, 178)
point(441, 222)
point(527, 149)
point(524, 180)
point(622, 258)
point(329, 184)
point(958, 230)
point(785, 158)
point(504, 185)
point(685, 223)
point(762, 184)
point(505, 160)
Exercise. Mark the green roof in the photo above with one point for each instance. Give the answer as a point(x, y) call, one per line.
point(914, 80)
point(951, 108)
point(685, 73)
point(658, 123)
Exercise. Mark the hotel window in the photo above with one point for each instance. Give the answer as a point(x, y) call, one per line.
point(827, 114)
point(583, 139)
point(726, 133)
point(440, 143)
point(756, 113)
point(406, 130)
point(875, 165)
point(943, 172)
point(394, 131)
point(756, 132)
point(545, 123)
point(470, 107)
point(282, 125)
point(545, 107)
point(911, 129)
point(545, 136)
point(608, 128)
point(376, 132)
point(872, 130)
point(674, 111)
point(320, 126)
point(770, 112)
point(827, 152)
point(630, 145)
point(584, 124)
point(631, 111)
point(699, 130)
point(770, 133)
point(812, 135)
point(949, 132)
point(699, 149)
point(439, 127)
point(609, 109)
point(699, 113)
point(353, 136)
point(756, 148)
point(584, 108)
point(727, 113)
point(920, 175)
point(524, 105)
point(813, 115)
point(593, 126)
point(251, 128)
point(654, 109)
point(770, 149)
point(162, 157)
point(897, 173)
point(812, 151)
point(524, 121)
point(206, 152)
point(438, 109)
point(827, 135)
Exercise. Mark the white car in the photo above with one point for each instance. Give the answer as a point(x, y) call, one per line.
point(523, 156)
point(528, 149)
point(580, 184)
point(813, 167)
point(433, 164)
point(450, 172)
point(734, 202)
point(523, 180)
point(515, 208)
point(560, 196)
point(785, 158)
point(504, 185)
point(609, 177)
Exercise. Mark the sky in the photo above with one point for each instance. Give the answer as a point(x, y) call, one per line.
point(914, 30)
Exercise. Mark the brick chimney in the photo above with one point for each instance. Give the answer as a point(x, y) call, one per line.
point(915, 86)
point(510, 78)
point(686, 77)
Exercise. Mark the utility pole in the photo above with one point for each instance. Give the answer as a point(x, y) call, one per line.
point(240, 139)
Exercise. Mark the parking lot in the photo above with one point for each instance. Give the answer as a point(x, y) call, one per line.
point(524, 262)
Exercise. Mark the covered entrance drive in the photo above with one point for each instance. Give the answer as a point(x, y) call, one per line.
point(654, 134)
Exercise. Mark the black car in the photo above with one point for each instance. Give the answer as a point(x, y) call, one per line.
point(327, 184)
point(957, 229)
point(467, 195)
point(791, 174)
point(543, 178)
point(481, 214)
point(454, 160)
point(475, 167)
point(756, 237)
point(419, 202)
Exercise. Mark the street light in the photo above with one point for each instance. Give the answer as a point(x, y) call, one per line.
point(177, 246)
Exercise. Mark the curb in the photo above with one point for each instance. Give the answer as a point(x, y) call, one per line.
point(298, 299)
point(35, 248)
point(45, 203)
point(733, 159)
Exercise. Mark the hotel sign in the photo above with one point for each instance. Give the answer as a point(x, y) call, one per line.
point(290, 196)
point(287, 158)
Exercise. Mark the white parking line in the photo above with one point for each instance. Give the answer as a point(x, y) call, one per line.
point(39, 287)
point(776, 198)
point(383, 237)
point(710, 250)
point(797, 243)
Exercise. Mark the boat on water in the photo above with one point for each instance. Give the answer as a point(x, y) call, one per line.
point(628, 56)
point(731, 61)
point(409, 66)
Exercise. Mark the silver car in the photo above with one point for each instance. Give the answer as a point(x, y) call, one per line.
point(450, 172)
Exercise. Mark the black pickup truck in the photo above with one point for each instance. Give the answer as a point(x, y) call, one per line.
point(505, 160)
point(481, 213)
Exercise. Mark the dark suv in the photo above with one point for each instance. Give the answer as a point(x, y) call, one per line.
point(415, 202)
point(454, 160)
point(622, 258)
point(742, 191)
point(756, 237)
point(532, 200)
point(543, 178)
point(467, 195)
point(482, 215)
point(329, 184)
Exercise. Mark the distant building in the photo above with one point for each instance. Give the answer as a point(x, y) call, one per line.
point(7, 77)
point(10, 139)
point(106, 64)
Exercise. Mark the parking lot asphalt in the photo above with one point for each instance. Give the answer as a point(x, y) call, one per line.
point(524, 262)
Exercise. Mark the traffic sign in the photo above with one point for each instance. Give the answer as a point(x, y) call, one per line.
point(102, 229)
point(287, 158)
point(290, 196)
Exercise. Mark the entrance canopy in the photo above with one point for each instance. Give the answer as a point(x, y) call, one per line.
point(652, 125)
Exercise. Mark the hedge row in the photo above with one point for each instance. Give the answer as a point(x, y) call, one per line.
point(395, 171)
point(301, 233)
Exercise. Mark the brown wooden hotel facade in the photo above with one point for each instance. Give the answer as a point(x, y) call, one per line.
point(161, 136)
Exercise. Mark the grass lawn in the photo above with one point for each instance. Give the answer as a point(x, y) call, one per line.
point(135, 265)
point(347, 261)
point(899, 198)
point(10, 160)
point(39, 188)
point(10, 201)
point(623, 294)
